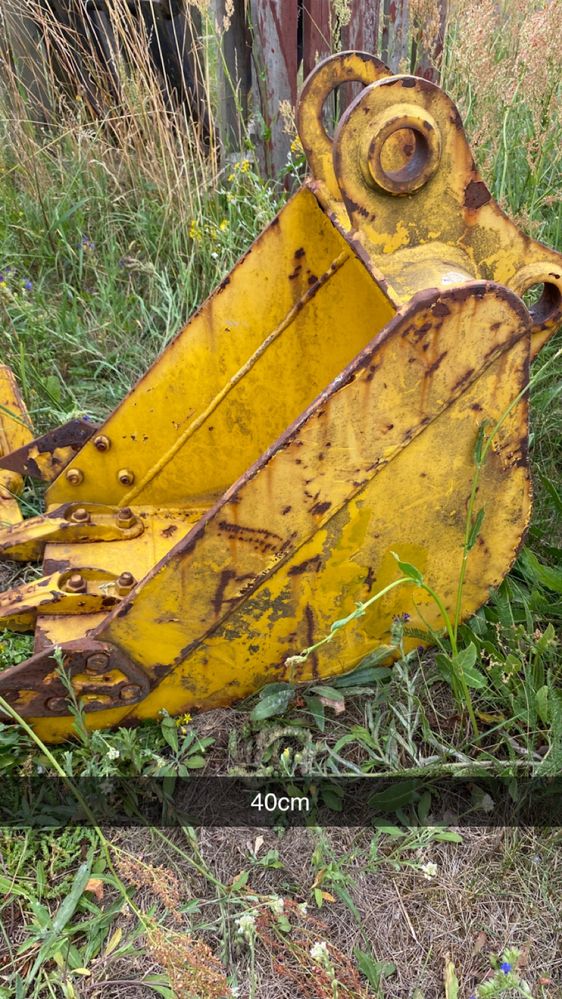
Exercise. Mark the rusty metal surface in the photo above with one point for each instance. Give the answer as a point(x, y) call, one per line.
point(346, 67)
point(102, 677)
point(46, 456)
point(453, 230)
point(87, 591)
point(70, 523)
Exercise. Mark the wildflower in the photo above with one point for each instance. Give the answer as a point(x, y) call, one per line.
point(319, 952)
point(429, 870)
point(87, 244)
point(277, 905)
point(303, 908)
point(296, 145)
point(223, 225)
point(246, 925)
point(195, 231)
point(183, 720)
point(28, 284)
point(113, 753)
point(505, 967)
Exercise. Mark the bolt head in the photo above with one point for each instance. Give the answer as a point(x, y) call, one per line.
point(75, 583)
point(74, 476)
point(80, 515)
point(57, 704)
point(102, 443)
point(129, 692)
point(97, 663)
point(125, 476)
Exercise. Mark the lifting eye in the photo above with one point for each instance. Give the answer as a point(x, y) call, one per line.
point(543, 301)
point(404, 152)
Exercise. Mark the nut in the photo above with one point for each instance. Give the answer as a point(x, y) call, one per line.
point(125, 517)
point(75, 583)
point(74, 476)
point(80, 515)
point(125, 476)
point(125, 583)
point(57, 704)
point(102, 443)
point(129, 692)
point(97, 663)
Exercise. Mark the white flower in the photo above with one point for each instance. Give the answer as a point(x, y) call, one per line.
point(276, 905)
point(303, 908)
point(319, 952)
point(429, 870)
point(246, 924)
point(113, 753)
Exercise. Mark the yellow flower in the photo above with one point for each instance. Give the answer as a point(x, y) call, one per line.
point(195, 231)
point(183, 720)
point(223, 225)
point(296, 145)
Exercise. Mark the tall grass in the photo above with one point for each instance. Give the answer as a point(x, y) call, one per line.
point(119, 222)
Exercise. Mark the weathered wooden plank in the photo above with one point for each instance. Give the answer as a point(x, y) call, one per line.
point(362, 32)
point(395, 44)
point(316, 30)
point(427, 51)
point(275, 77)
point(235, 72)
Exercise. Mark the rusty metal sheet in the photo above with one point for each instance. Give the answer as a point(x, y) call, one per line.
point(45, 457)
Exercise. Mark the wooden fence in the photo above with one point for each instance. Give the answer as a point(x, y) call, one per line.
point(272, 44)
point(267, 47)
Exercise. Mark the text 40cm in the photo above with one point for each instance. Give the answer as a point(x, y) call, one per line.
point(272, 802)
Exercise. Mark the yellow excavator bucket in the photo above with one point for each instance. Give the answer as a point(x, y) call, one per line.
point(316, 415)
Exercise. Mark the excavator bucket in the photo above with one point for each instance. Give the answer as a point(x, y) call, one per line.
point(316, 415)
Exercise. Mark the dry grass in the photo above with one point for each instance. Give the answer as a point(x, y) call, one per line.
point(495, 890)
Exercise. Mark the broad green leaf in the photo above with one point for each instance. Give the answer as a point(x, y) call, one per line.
point(541, 698)
point(373, 970)
point(464, 662)
point(169, 730)
point(328, 692)
point(444, 836)
point(409, 570)
point(272, 704)
point(398, 794)
point(318, 712)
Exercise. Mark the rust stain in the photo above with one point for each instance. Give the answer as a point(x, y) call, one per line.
point(476, 194)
